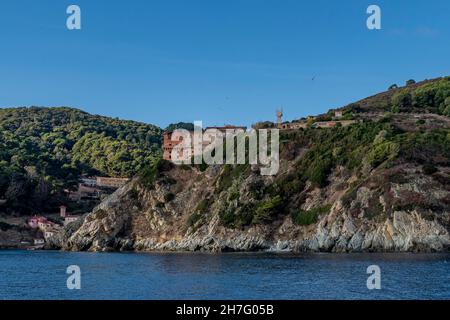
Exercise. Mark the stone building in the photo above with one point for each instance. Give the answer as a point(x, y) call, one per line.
point(169, 144)
point(111, 182)
point(293, 125)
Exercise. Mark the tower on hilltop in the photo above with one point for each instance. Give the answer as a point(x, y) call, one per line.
point(279, 117)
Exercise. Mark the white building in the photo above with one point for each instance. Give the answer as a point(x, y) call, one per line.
point(49, 234)
point(38, 241)
point(69, 219)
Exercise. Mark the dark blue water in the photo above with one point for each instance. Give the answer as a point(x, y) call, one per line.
point(42, 275)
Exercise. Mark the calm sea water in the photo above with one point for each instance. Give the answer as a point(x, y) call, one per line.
point(42, 275)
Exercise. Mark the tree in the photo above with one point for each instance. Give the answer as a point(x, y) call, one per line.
point(446, 111)
point(401, 100)
point(180, 125)
point(393, 86)
point(46, 150)
point(410, 82)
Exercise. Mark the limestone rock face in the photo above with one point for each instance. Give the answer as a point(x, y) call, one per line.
point(183, 211)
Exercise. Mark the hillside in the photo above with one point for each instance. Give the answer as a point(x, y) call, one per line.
point(44, 150)
point(428, 96)
point(381, 184)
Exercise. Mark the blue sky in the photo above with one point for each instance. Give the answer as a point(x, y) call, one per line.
point(218, 61)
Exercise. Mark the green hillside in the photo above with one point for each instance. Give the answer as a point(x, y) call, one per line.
point(44, 150)
point(428, 96)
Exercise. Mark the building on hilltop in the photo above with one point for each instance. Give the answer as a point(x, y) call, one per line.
point(89, 181)
point(38, 241)
point(286, 125)
point(93, 188)
point(49, 233)
point(229, 129)
point(35, 221)
point(62, 211)
point(169, 144)
point(294, 125)
point(331, 124)
point(68, 218)
point(338, 114)
point(41, 223)
point(312, 121)
point(111, 182)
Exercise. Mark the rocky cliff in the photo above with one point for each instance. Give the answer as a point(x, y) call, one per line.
point(373, 186)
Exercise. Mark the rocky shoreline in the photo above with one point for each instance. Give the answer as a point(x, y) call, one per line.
point(380, 240)
point(103, 230)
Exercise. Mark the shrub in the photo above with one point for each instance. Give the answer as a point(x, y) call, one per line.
point(202, 167)
point(446, 107)
point(420, 121)
point(427, 216)
point(185, 167)
point(420, 147)
point(256, 189)
point(267, 208)
point(238, 217)
point(168, 180)
point(234, 195)
point(201, 209)
point(228, 219)
point(134, 194)
point(229, 173)
point(292, 186)
point(401, 100)
point(429, 169)
point(159, 205)
point(5, 226)
point(319, 171)
point(348, 116)
point(350, 194)
point(203, 205)
point(380, 153)
point(149, 175)
point(168, 197)
point(193, 219)
point(305, 218)
point(100, 214)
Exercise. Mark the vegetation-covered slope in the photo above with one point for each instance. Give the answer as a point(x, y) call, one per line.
point(429, 96)
point(44, 150)
point(380, 184)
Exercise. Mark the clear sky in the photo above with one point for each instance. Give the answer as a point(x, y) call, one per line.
point(220, 61)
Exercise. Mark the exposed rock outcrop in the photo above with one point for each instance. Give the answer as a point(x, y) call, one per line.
point(137, 217)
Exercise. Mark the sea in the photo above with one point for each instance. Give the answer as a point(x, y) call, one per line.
point(42, 275)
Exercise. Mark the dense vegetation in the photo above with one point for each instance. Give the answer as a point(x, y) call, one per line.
point(429, 96)
point(432, 97)
point(359, 149)
point(368, 148)
point(180, 125)
point(44, 150)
